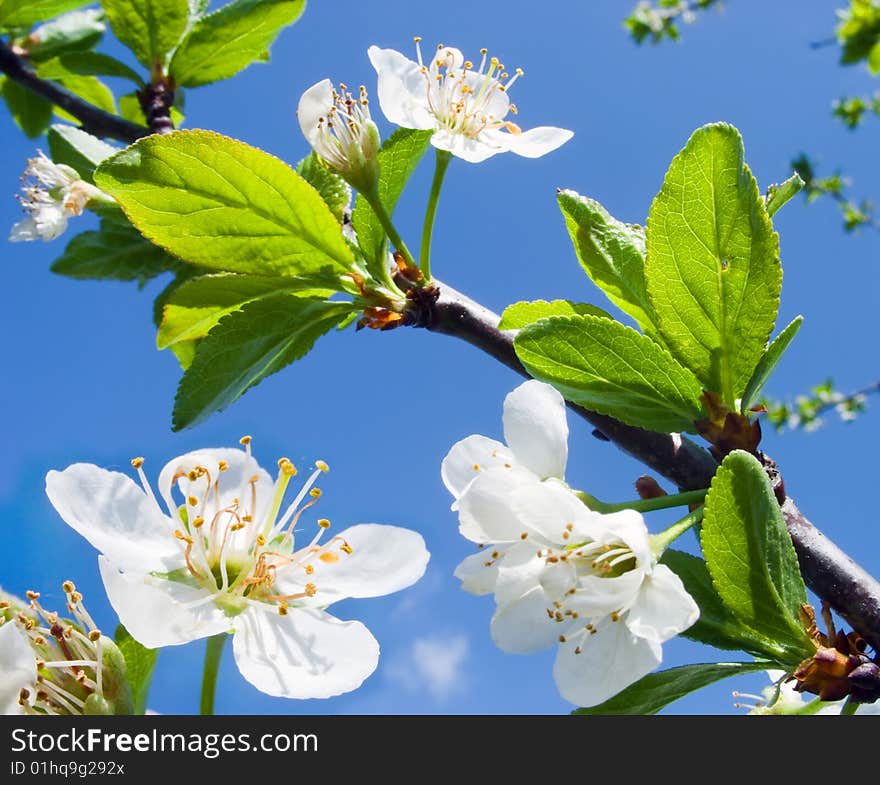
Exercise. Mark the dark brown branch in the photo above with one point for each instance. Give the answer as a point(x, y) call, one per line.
point(94, 120)
point(156, 100)
point(827, 570)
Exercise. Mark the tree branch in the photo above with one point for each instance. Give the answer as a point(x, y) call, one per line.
point(94, 120)
point(827, 570)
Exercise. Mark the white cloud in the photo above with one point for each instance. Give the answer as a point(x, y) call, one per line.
point(432, 663)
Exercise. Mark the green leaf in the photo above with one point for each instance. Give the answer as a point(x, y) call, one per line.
point(30, 112)
point(768, 363)
point(217, 203)
point(657, 690)
point(398, 158)
point(247, 346)
point(780, 193)
point(78, 30)
point(750, 556)
point(23, 13)
point(114, 253)
point(193, 309)
point(78, 149)
point(611, 252)
point(150, 28)
point(612, 369)
point(874, 59)
point(712, 269)
point(225, 42)
point(717, 626)
point(96, 64)
point(91, 89)
point(139, 664)
point(335, 192)
point(522, 314)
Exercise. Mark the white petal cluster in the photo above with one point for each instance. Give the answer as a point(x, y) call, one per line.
point(560, 572)
point(55, 194)
point(466, 107)
point(224, 558)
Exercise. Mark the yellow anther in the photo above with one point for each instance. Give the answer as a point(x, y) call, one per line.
point(32, 595)
point(95, 635)
point(476, 467)
point(524, 536)
point(247, 518)
point(324, 523)
point(192, 501)
point(198, 521)
point(222, 466)
point(309, 569)
point(347, 548)
point(181, 536)
point(566, 535)
point(615, 616)
point(494, 554)
point(76, 597)
point(282, 462)
point(483, 50)
point(67, 587)
point(417, 39)
point(255, 479)
point(282, 608)
point(562, 639)
point(311, 590)
point(261, 540)
point(289, 469)
point(193, 475)
point(322, 465)
point(137, 463)
point(329, 558)
point(245, 440)
point(315, 493)
point(237, 527)
point(578, 650)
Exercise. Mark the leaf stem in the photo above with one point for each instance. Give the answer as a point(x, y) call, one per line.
point(643, 505)
point(382, 214)
point(850, 707)
point(213, 653)
point(660, 542)
point(440, 167)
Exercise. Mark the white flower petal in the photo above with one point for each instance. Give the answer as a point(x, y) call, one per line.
point(471, 149)
point(18, 668)
point(523, 626)
point(628, 527)
point(609, 660)
point(305, 654)
point(314, 104)
point(519, 571)
point(24, 231)
point(479, 571)
point(535, 428)
point(384, 559)
point(663, 608)
point(115, 516)
point(597, 596)
point(402, 89)
point(486, 512)
point(549, 509)
point(467, 458)
point(159, 612)
point(539, 141)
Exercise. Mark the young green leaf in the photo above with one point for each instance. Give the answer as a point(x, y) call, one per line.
point(77, 149)
point(96, 64)
point(768, 363)
point(228, 40)
point(16, 13)
point(192, 310)
point(611, 252)
point(217, 203)
point(611, 369)
point(750, 556)
point(116, 252)
point(332, 188)
point(30, 112)
point(248, 345)
point(150, 28)
point(139, 664)
point(655, 691)
point(712, 268)
point(717, 626)
point(89, 88)
point(522, 314)
point(781, 193)
point(72, 32)
point(400, 154)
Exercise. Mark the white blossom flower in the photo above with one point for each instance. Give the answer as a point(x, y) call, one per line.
point(339, 128)
point(57, 194)
point(226, 559)
point(465, 107)
point(51, 665)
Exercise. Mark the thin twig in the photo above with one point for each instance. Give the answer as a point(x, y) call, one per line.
point(94, 120)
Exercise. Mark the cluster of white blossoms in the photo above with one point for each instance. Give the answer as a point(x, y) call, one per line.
point(560, 572)
point(225, 557)
point(53, 665)
point(465, 107)
point(55, 194)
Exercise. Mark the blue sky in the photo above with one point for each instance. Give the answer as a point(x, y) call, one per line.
point(84, 382)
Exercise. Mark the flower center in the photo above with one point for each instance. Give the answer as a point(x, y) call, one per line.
point(343, 129)
point(465, 100)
